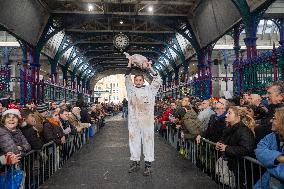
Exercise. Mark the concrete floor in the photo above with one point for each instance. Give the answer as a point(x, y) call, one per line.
point(104, 161)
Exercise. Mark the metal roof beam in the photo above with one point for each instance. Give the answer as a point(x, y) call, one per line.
point(118, 31)
point(86, 12)
point(154, 2)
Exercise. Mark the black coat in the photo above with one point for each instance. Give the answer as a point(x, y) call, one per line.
point(52, 133)
point(85, 117)
point(240, 142)
point(66, 124)
point(32, 137)
point(215, 128)
point(265, 124)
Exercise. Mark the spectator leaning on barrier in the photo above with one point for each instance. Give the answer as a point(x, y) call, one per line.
point(67, 128)
point(270, 151)
point(164, 119)
point(276, 96)
point(29, 131)
point(94, 114)
point(85, 117)
point(205, 113)
point(52, 129)
point(11, 138)
point(237, 141)
point(40, 115)
point(259, 109)
point(191, 125)
point(216, 123)
point(74, 119)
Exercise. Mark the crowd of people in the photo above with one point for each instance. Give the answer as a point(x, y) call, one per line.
point(251, 125)
point(29, 127)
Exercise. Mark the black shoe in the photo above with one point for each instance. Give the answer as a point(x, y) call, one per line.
point(147, 171)
point(134, 167)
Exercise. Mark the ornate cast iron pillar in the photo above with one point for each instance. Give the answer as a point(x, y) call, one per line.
point(23, 74)
point(274, 63)
point(34, 63)
point(251, 46)
point(236, 65)
point(209, 63)
point(169, 81)
point(186, 72)
point(176, 77)
point(281, 32)
point(201, 85)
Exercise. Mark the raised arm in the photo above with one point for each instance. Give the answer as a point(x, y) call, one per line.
point(157, 80)
point(128, 82)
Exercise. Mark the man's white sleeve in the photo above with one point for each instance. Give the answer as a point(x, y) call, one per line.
point(128, 83)
point(156, 83)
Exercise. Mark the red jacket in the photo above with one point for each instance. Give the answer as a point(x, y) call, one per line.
point(165, 117)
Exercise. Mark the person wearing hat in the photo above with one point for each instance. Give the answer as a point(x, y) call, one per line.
point(11, 137)
point(40, 116)
point(29, 131)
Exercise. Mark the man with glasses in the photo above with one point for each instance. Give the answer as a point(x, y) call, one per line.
point(275, 94)
point(216, 123)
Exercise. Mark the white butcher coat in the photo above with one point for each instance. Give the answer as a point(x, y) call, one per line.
point(141, 103)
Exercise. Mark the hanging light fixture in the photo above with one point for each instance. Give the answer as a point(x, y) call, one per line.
point(90, 7)
point(150, 8)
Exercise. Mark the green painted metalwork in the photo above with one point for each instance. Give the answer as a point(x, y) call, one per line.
point(258, 73)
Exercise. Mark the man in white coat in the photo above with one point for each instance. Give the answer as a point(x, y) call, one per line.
point(141, 101)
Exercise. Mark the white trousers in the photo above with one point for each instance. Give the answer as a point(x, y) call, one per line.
point(141, 130)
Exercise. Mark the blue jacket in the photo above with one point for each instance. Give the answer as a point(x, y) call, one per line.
point(266, 152)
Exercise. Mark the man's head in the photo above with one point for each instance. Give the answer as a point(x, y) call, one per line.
point(139, 80)
point(76, 111)
point(255, 99)
point(63, 114)
point(173, 105)
point(221, 106)
point(165, 105)
point(246, 96)
point(204, 104)
point(185, 101)
point(94, 108)
point(53, 105)
point(276, 92)
point(28, 117)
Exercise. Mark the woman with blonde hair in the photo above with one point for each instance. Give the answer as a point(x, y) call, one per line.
point(270, 151)
point(237, 141)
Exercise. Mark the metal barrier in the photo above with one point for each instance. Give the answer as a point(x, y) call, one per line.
point(41, 165)
point(244, 172)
